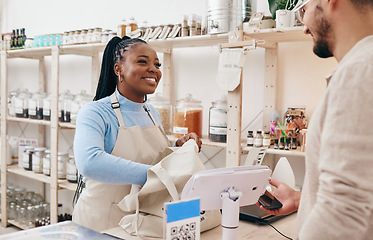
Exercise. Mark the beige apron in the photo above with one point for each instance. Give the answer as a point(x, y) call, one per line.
point(97, 207)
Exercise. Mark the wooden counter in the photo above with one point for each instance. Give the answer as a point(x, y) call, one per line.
point(245, 231)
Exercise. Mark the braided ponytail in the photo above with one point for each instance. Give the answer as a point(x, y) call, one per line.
point(113, 53)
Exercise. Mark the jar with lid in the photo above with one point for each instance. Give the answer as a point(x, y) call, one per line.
point(187, 117)
point(250, 138)
point(62, 159)
point(21, 104)
point(47, 162)
point(121, 31)
point(164, 109)
point(27, 157)
point(75, 38)
point(37, 160)
point(65, 38)
point(266, 139)
point(132, 26)
point(82, 38)
point(105, 36)
point(64, 113)
point(89, 35)
point(96, 35)
point(71, 170)
point(35, 106)
point(47, 107)
point(77, 103)
point(218, 120)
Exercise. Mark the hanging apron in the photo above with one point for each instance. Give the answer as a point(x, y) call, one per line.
point(97, 207)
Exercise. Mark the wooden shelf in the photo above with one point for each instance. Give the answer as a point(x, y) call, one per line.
point(17, 224)
point(28, 120)
point(91, 49)
point(64, 184)
point(295, 153)
point(67, 125)
point(15, 169)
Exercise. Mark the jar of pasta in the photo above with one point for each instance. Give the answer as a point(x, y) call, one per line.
point(164, 109)
point(187, 117)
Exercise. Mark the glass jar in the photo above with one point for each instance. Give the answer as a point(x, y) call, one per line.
point(218, 120)
point(37, 160)
point(164, 109)
point(77, 103)
point(11, 102)
point(82, 38)
point(258, 140)
point(62, 159)
point(65, 38)
point(47, 107)
point(11, 210)
point(250, 138)
point(21, 104)
point(96, 35)
point(71, 171)
point(47, 162)
point(27, 157)
point(90, 35)
point(35, 106)
point(64, 113)
point(75, 38)
point(187, 117)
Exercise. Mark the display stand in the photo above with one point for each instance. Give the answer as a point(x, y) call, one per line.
point(228, 189)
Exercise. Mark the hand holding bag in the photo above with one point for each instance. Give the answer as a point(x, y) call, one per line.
point(165, 182)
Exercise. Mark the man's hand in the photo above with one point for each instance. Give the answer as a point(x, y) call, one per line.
point(286, 195)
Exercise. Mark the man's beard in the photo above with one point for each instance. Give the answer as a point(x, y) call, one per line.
point(322, 45)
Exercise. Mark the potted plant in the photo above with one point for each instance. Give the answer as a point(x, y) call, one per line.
point(275, 5)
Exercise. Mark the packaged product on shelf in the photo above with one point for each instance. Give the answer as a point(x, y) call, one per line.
point(22, 143)
point(122, 28)
point(27, 157)
point(12, 101)
point(266, 139)
point(65, 38)
point(37, 160)
point(193, 25)
point(164, 109)
point(82, 37)
point(35, 105)
point(21, 104)
point(96, 35)
point(187, 117)
point(89, 37)
point(132, 26)
point(185, 26)
point(295, 120)
point(258, 139)
point(64, 105)
point(47, 107)
point(218, 120)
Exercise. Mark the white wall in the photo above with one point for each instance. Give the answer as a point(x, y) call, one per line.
point(301, 74)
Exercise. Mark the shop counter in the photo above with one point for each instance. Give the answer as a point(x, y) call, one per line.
point(245, 230)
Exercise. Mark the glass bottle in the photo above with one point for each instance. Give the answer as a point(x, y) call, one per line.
point(287, 143)
point(266, 139)
point(258, 140)
point(250, 138)
point(218, 120)
point(294, 143)
point(164, 109)
point(96, 35)
point(187, 117)
point(35, 106)
point(21, 104)
point(275, 145)
point(281, 145)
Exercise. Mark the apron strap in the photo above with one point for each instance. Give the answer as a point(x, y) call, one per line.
point(115, 105)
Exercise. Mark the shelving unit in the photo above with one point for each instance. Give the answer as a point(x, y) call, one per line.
point(268, 39)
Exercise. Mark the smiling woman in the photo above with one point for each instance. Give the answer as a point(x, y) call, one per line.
point(118, 135)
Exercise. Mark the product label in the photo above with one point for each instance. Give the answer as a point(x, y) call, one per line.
point(258, 142)
point(181, 130)
point(250, 141)
point(266, 142)
point(218, 131)
point(218, 118)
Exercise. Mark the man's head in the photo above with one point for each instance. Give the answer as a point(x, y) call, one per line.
point(331, 24)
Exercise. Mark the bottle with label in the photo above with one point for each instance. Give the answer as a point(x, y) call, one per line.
point(121, 31)
point(193, 25)
point(281, 145)
point(62, 159)
point(275, 145)
point(294, 143)
point(218, 120)
point(258, 140)
point(187, 117)
point(185, 27)
point(250, 139)
point(266, 139)
point(37, 160)
point(47, 162)
point(27, 157)
point(288, 144)
point(47, 107)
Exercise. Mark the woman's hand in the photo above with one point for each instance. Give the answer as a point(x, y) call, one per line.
point(286, 195)
point(184, 139)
